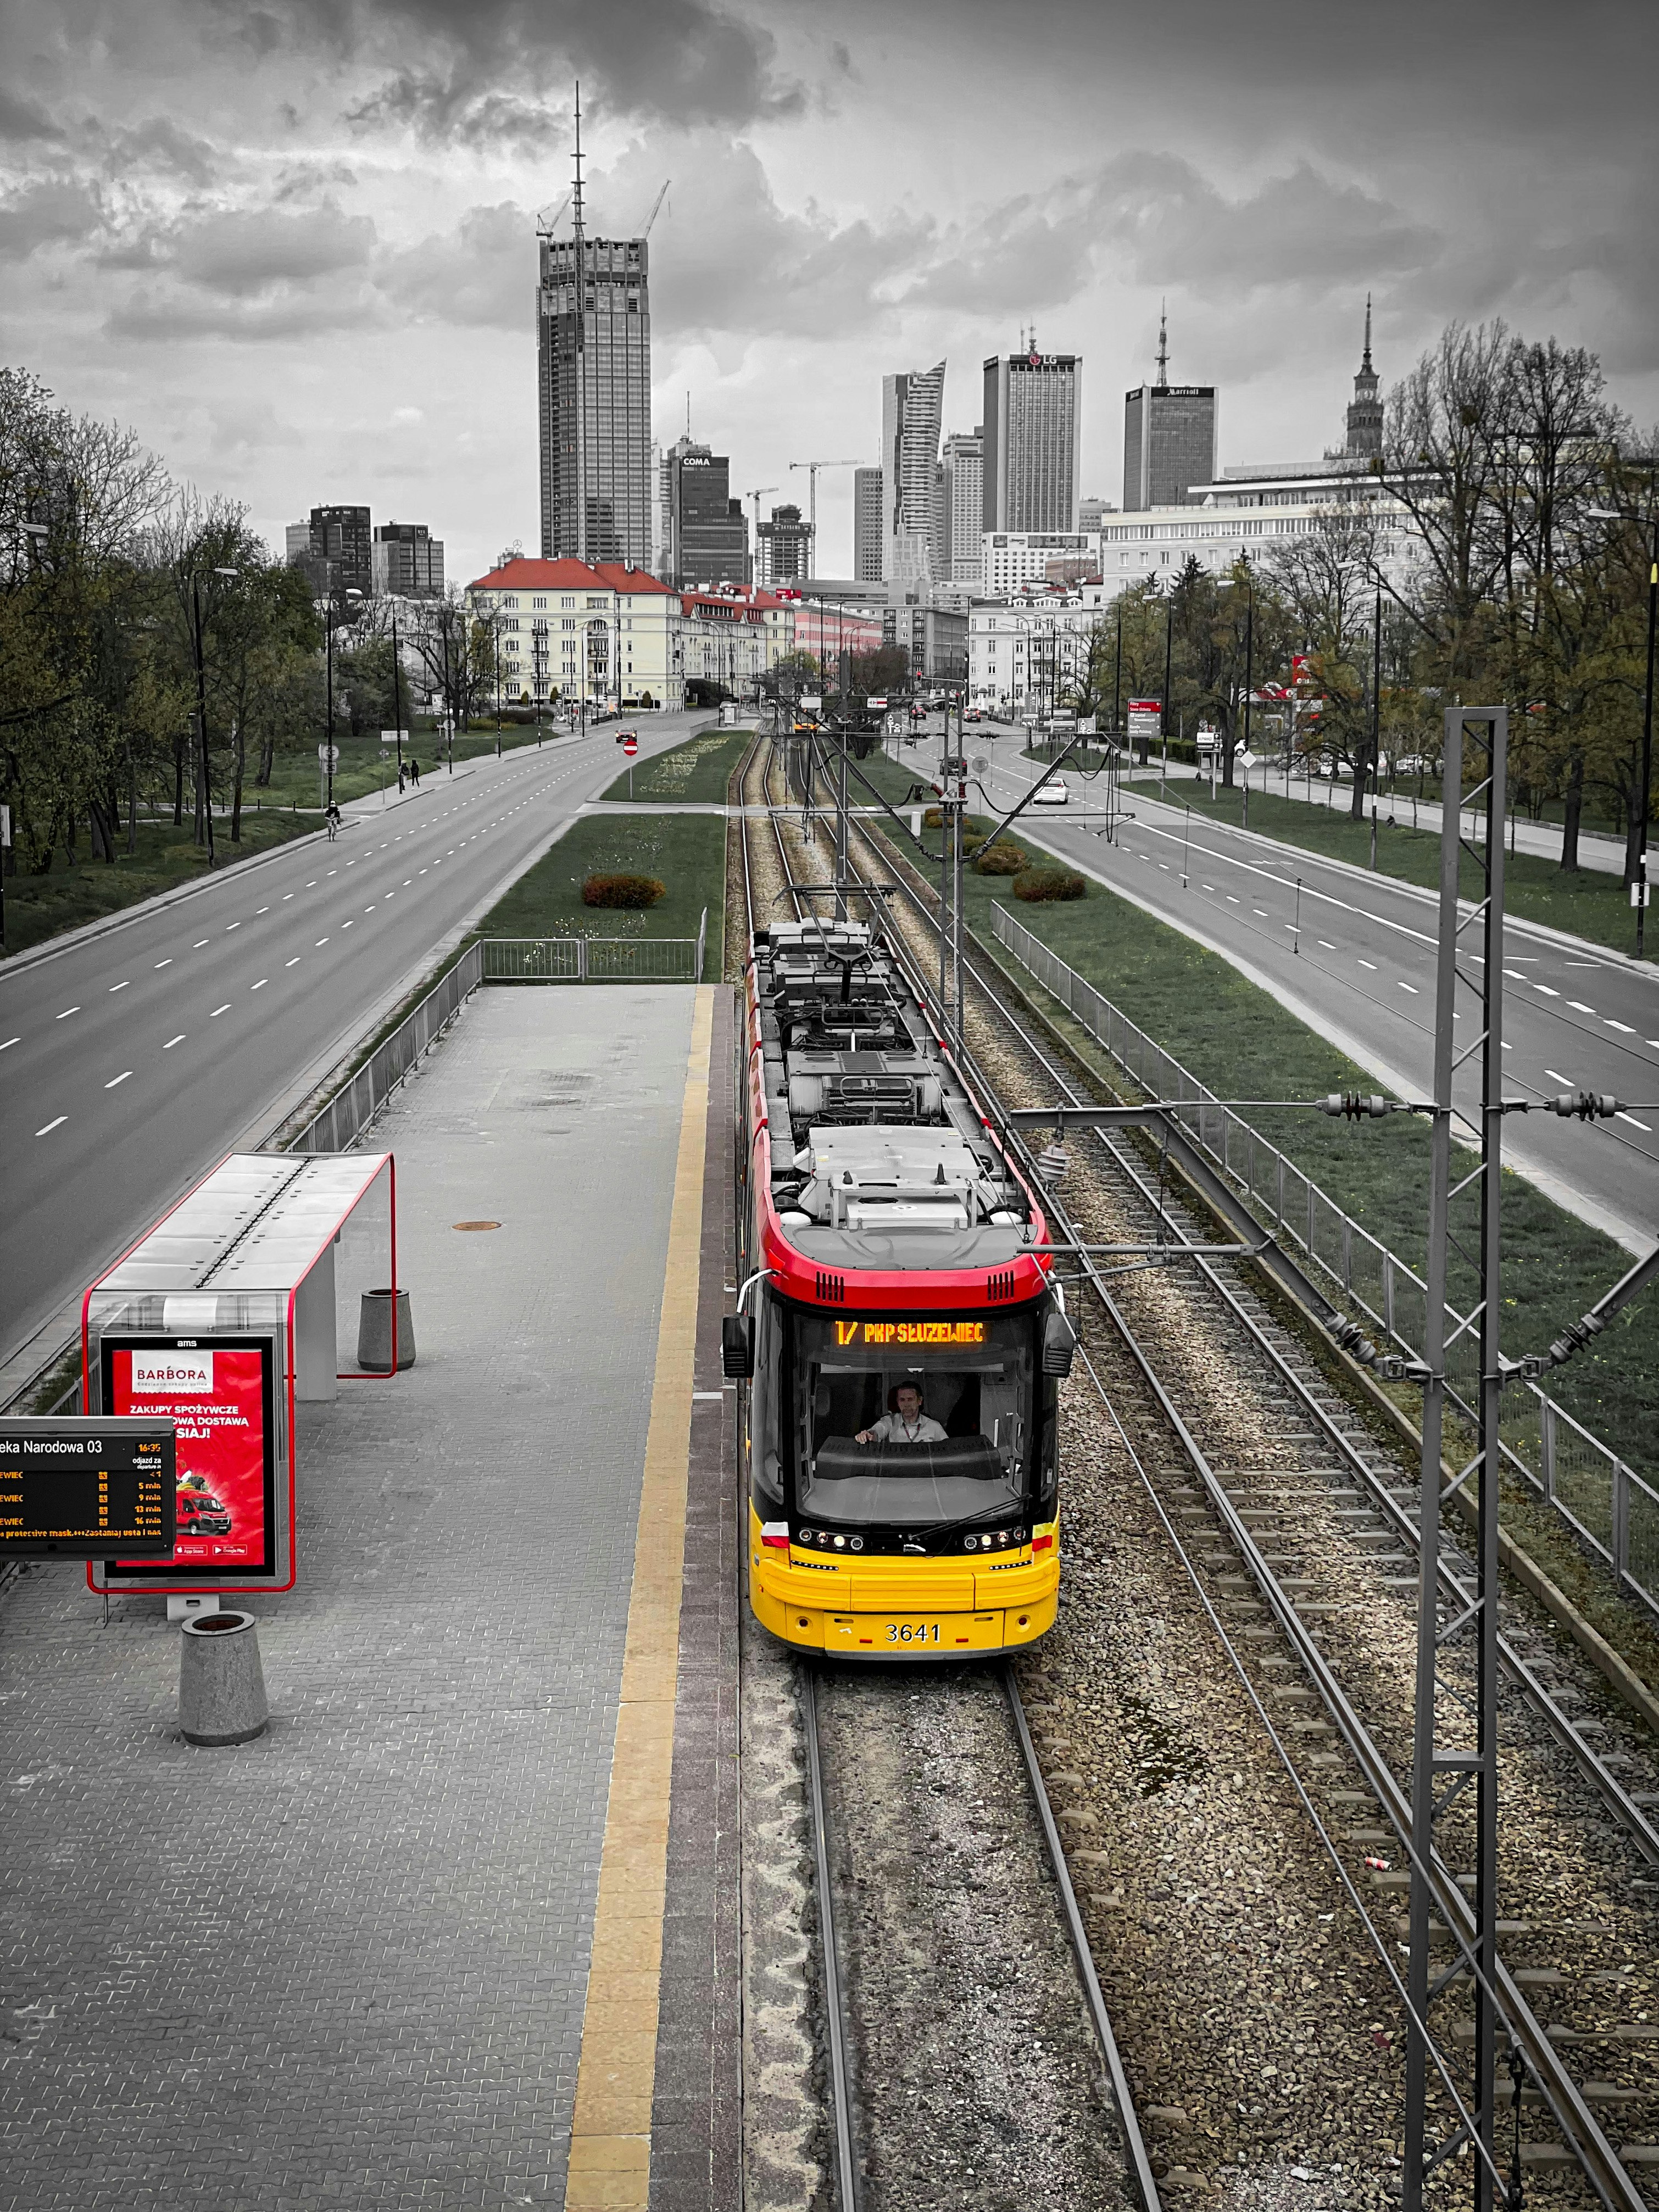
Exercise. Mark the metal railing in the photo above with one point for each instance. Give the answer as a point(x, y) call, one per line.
point(365, 1092)
point(1611, 1508)
point(597, 959)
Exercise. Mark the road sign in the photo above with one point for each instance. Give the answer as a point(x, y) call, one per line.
point(1207, 740)
point(879, 705)
point(5, 829)
point(391, 737)
point(1639, 894)
point(629, 743)
point(1088, 726)
point(1146, 717)
point(79, 1484)
point(813, 702)
point(329, 755)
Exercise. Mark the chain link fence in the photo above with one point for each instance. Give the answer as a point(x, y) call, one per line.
point(1611, 1507)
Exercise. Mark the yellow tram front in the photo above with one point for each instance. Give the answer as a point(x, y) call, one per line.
point(903, 1477)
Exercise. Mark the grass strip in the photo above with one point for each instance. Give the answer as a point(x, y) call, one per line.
point(695, 772)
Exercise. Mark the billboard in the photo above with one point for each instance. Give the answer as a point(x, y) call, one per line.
point(218, 1393)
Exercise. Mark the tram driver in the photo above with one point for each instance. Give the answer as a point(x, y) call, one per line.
point(906, 1424)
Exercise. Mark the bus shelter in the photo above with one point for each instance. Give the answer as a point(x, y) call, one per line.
point(226, 1316)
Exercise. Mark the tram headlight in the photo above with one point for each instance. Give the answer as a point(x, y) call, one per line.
point(840, 1543)
point(855, 1543)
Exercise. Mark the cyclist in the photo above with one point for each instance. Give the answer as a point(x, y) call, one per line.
point(331, 818)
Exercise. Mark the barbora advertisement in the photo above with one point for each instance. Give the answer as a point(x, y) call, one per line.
point(217, 1395)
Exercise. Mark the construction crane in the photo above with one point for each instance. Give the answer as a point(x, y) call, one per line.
point(656, 208)
point(812, 468)
point(757, 495)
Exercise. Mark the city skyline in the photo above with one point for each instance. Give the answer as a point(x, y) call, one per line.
point(316, 289)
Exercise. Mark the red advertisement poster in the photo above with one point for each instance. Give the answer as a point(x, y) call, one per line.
point(216, 1396)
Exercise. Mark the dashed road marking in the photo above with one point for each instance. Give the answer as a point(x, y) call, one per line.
point(120, 1079)
point(51, 1126)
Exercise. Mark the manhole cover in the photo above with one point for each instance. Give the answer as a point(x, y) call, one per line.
point(477, 1224)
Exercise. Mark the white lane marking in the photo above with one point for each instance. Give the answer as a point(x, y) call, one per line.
point(1231, 900)
point(217, 1010)
point(311, 885)
point(229, 926)
point(1412, 987)
point(171, 1042)
point(322, 940)
point(1164, 866)
point(1326, 942)
point(408, 880)
point(51, 1126)
point(1579, 1008)
point(368, 909)
point(121, 986)
point(334, 871)
point(1508, 1048)
point(120, 1079)
point(1635, 1124)
point(11, 1040)
point(1546, 991)
point(67, 1011)
point(1372, 964)
point(167, 962)
point(1513, 977)
point(1623, 1027)
point(1556, 1076)
point(260, 985)
point(199, 943)
point(347, 925)
point(287, 895)
point(259, 910)
point(1261, 910)
point(293, 962)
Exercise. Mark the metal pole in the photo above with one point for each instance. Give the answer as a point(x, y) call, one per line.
point(397, 700)
point(1439, 1776)
point(1169, 652)
point(960, 818)
point(201, 714)
point(328, 661)
point(1647, 752)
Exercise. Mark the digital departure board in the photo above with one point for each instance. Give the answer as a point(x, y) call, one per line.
point(914, 1336)
point(83, 1485)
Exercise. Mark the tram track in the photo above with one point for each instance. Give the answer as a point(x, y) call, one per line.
point(968, 2053)
point(1305, 1509)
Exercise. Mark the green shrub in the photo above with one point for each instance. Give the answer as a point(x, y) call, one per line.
point(1002, 860)
point(1038, 885)
point(636, 892)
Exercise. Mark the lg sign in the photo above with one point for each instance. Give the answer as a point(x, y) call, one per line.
point(172, 1374)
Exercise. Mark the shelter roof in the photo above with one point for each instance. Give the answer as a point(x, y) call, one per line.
point(260, 1221)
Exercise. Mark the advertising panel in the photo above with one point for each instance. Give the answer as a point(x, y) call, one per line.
point(218, 1394)
point(1145, 719)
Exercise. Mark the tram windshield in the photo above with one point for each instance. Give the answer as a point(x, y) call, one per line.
point(913, 1422)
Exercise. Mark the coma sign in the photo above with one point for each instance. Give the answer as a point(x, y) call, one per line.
point(218, 1396)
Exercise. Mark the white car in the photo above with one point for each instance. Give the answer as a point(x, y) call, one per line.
point(1052, 794)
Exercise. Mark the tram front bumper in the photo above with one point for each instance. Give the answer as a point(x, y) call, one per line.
point(900, 1630)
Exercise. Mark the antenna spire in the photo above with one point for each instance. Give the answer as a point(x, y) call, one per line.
point(576, 197)
point(1163, 345)
point(1365, 365)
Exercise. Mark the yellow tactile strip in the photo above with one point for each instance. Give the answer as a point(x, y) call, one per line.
point(611, 2132)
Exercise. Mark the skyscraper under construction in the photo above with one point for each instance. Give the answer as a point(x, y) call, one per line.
point(594, 379)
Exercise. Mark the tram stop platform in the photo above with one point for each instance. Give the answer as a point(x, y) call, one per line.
point(461, 1930)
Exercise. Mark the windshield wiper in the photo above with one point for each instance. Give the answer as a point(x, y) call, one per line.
point(968, 1521)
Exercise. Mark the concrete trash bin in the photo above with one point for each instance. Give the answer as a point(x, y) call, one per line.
point(221, 1685)
point(375, 1333)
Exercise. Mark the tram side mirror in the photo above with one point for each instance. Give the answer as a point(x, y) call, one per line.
point(1058, 1343)
point(737, 1347)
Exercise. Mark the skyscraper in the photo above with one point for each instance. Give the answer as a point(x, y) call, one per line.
point(335, 549)
point(1031, 456)
point(912, 414)
point(783, 548)
point(867, 534)
point(409, 561)
point(594, 379)
point(1365, 408)
point(961, 504)
point(709, 539)
point(1168, 437)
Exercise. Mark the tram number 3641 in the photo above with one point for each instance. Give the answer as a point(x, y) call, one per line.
point(913, 1632)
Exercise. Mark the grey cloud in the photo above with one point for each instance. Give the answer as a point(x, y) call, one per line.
point(21, 120)
point(481, 273)
point(158, 147)
point(241, 252)
point(50, 211)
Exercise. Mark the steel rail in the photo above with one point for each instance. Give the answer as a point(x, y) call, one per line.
point(1595, 2157)
point(846, 2173)
point(1134, 2147)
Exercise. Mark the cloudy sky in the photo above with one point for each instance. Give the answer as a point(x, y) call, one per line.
point(292, 242)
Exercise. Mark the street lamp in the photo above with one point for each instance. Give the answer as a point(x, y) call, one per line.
point(1606, 514)
point(201, 701)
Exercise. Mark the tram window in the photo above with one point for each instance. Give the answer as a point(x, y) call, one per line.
point(976, 1383)
point(765, 1467)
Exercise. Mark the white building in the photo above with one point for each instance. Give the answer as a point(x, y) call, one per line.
point(1009, 558)
point(959, 519)
point(912, 415)
point(1249, 511)
point(599, 633)
point(1027, 651)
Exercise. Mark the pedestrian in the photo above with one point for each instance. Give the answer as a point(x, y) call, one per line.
point(415, 771)
point(400, 780)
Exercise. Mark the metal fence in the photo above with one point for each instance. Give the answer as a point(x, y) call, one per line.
point(364, 1093)
point(1610, 1505)
point(597, 959)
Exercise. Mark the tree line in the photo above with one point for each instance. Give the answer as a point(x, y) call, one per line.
point(1526, 502)
point(154, 652)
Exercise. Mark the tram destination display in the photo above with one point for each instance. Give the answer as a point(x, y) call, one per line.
point(77, 1486)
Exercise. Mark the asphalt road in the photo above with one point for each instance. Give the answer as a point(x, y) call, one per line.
point(1361, 968)
point(131, 1062)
